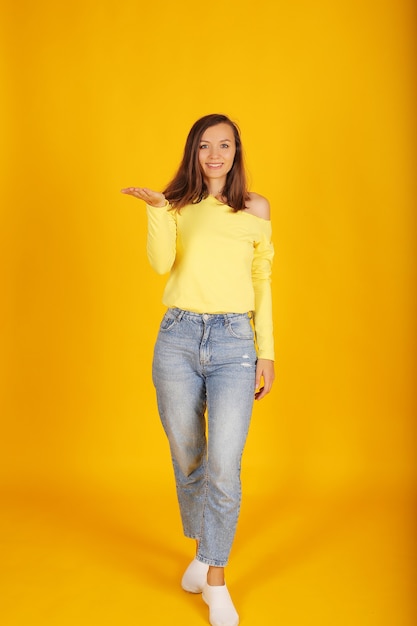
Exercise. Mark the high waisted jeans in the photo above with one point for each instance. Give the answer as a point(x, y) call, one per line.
point(201, 362)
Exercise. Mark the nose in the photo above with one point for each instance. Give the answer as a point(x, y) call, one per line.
point(213, 152)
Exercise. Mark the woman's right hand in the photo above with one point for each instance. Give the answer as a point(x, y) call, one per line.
point(154, 198)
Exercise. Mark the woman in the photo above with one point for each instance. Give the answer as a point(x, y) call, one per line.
point(213, 236)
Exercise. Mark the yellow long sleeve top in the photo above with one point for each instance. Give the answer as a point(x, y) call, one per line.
point(219, 262)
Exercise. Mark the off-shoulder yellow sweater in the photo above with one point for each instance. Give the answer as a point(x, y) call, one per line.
point(219, 262)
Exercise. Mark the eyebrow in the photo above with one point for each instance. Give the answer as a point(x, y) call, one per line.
point(221, 140)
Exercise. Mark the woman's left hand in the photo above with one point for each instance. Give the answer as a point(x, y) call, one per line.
point(265, 371)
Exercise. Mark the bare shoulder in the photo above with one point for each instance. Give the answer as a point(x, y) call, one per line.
point(258, 205)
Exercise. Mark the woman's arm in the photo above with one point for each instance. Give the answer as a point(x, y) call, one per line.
point(261, 278)
point(162, 228)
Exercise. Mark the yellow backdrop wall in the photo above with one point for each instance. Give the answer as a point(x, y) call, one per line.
point(98, 96)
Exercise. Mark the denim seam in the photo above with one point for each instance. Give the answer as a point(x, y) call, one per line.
point(206, 477)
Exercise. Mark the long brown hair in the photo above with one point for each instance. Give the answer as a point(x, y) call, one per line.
point(188, 186)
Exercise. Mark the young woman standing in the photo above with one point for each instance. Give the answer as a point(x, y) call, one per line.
point(214, 353)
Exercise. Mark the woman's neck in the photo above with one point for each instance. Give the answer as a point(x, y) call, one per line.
point(215, 187)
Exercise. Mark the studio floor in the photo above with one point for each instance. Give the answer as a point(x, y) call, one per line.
point(93, 554)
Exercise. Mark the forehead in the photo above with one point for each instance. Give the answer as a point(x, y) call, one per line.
point(220, 132)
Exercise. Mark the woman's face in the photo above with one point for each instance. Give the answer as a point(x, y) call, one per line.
point(217, 152)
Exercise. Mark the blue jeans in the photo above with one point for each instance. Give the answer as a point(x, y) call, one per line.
point(206, 361)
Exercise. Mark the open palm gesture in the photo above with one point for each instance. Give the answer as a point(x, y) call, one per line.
point(154, 198)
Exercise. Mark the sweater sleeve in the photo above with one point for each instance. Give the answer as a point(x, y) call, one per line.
point(161, 240)
point(261, 279)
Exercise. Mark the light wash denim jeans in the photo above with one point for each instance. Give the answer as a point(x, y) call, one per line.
point(206, 362)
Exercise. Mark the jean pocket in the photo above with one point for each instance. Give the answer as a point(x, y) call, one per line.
point(240, 327)
point(168, 321)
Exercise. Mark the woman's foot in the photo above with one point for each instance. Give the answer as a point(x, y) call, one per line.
point(221, 609)
point(195, 577)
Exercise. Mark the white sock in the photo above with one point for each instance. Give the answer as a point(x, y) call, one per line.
point(222, 611)
point(195, 577)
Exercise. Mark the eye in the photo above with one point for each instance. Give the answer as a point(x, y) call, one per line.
point(225, 145)
point(203, 145)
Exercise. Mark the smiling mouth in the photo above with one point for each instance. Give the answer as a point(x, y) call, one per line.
point(214, 166)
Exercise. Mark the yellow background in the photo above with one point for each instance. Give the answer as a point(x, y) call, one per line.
point(97, 96)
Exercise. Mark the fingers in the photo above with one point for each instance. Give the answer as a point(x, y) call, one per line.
point(260, 394)
point(137, 192)
point(263, 391)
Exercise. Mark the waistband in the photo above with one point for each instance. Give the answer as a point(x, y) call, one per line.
point(180, 313)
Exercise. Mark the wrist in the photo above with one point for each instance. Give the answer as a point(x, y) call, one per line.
point(158, 206)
